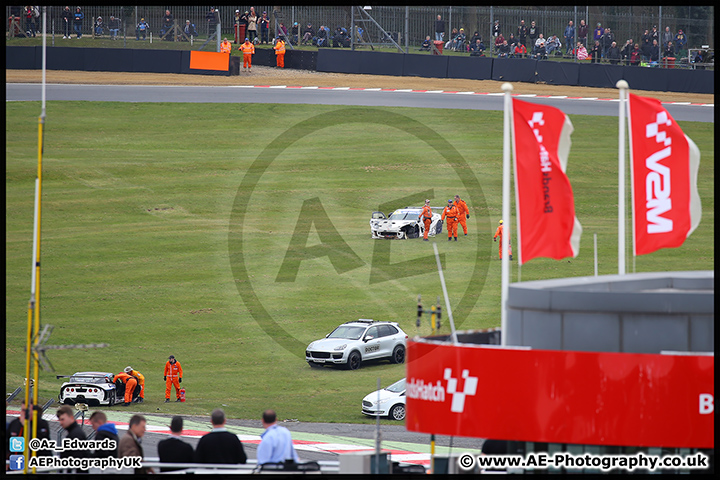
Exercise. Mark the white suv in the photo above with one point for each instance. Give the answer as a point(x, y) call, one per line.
point(352, 343)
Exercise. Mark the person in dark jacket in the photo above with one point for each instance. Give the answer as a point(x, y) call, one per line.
point(522, 32)
point(114, 27)
point(646, 44)
point(168, 21)
point(680, 42)
point(439, 29)
point(212, 18)
point(669, 50)
point(219, 446)
point(533, 33)
point(264, 23)
point(654, 51)
point(103, 430)
point(67, 18)
point(308, 34)
point(477, 49)
point(606, 41)
point(17, 426)
point(173, 449)
point(595, 52)
point(78, 21)
point(582, 32)
point(66, 418)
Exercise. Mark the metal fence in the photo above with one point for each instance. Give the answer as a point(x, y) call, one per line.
point(626, 21)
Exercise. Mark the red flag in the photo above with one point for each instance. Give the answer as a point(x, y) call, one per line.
point(665, 162)
point(545, 206)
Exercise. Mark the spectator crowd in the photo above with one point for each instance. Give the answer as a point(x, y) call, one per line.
point(219, 446)
point(597, 45)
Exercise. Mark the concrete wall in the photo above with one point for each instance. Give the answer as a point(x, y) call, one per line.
point(639, 313)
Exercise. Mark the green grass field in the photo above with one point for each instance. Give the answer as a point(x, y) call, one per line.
point(167, 230)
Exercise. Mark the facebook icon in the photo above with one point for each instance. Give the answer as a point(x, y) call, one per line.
point(17, 462)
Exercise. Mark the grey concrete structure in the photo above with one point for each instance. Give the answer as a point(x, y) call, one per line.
point(637, 313)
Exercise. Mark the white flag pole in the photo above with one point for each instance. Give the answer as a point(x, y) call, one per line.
point(623, 86)
point(505, 262)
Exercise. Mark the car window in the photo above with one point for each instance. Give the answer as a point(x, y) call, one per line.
point(372, 332)
point(397, 387)
point(387, 330)
point(88, 379)
point(405, 215)
point(347, 332)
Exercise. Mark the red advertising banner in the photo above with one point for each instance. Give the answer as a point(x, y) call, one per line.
point(591, 398)
point(545, 206)
point(664, 166)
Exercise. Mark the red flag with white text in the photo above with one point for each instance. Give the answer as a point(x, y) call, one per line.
point(547, 225)
point(664, 165)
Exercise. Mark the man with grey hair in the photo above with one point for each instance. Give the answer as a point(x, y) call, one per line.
point(219, 446)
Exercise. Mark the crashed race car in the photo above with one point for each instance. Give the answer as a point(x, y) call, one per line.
point(403, 223)
point(91, 388)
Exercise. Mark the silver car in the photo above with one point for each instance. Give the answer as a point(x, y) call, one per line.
point(355, 342)
point(403, 223)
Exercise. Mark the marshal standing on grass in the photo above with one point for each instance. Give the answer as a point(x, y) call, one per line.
point(173, 376)
point(426, 217)
point(463, 212)
point(451, 212)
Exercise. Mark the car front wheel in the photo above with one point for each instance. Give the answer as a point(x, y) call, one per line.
point(398, 412)
point(398, 355)
point(354, 360)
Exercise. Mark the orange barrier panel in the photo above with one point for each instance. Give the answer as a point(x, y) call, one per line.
point(209, 61)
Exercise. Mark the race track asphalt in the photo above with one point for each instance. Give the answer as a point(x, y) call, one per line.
point(327, 96)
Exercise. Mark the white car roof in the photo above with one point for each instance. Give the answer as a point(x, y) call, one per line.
point(367, 324)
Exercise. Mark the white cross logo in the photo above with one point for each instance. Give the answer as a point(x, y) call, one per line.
point(537, 118)
point(458, 398)
point(653, 129)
